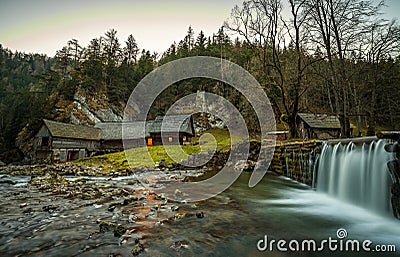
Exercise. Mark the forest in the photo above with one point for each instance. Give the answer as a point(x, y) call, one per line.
point(338, 57)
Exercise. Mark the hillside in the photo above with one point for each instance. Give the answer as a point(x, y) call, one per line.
point(91, 84)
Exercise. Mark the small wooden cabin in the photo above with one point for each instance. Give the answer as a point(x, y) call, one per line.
point(171, 130)
point(56, 141)
point(319, 126)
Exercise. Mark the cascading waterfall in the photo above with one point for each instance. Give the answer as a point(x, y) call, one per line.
point(357, 174)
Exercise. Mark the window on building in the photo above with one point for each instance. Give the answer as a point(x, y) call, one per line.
point(45, 141)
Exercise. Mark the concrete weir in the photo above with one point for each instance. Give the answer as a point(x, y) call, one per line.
point(362, 171)
point(296, 160)
point(356, 173)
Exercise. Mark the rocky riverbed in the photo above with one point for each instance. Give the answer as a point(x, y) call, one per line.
point(45, 213)
point(65, 215)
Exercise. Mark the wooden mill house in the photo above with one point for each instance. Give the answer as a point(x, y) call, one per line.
point(319, 126)
point(57, 141)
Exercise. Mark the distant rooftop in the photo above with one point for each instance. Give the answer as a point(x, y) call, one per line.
point(113, 130)
point(170, 123)
point(320, 120)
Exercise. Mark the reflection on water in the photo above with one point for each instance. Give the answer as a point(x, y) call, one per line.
point(233, 222)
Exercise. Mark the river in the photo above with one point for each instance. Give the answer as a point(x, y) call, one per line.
point(232, 225)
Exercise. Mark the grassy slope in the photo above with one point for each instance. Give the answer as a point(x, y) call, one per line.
point(140, 157)
point(218, 139)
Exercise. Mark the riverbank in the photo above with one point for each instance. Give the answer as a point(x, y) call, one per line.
point(70, 168)
point(291, 158)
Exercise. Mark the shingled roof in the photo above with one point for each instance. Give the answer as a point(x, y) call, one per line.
point(320, 120)
point(323, 121)
point(170, 123)
point(113, 131)
point(66, 130)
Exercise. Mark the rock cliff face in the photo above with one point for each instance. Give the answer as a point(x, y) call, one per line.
point(90, 110)
point(86, 108)
point(205, 120)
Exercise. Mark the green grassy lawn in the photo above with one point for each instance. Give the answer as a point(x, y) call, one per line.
point(215, 139)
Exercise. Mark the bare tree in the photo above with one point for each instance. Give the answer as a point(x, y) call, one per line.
point(262, 26)
point(382, 44)
point(298, 32)
point(337, 27)
point(257, 22)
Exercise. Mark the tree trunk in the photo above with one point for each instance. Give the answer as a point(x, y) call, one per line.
point(293, 126)
point(371, 114)
point(371, 124)
point(293, 114)
point(293, 129)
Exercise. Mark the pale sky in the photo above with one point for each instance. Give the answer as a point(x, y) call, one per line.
point(45, 26)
